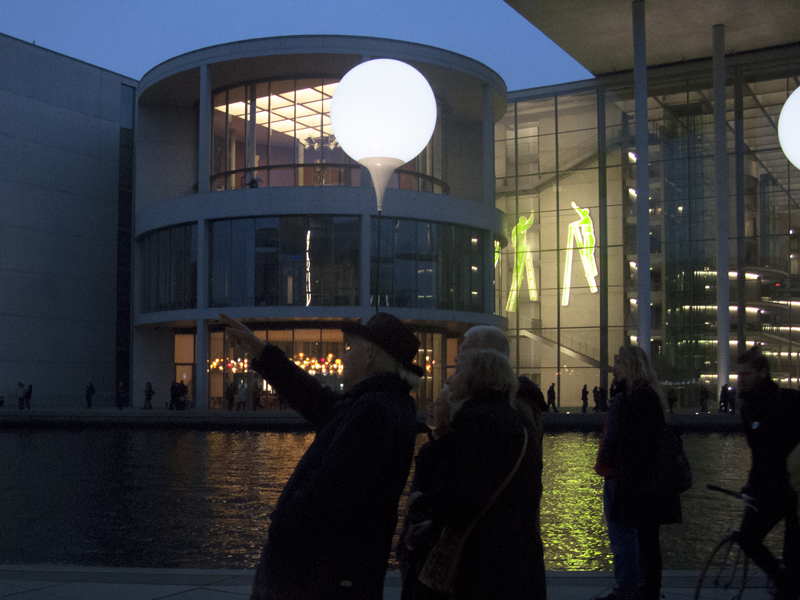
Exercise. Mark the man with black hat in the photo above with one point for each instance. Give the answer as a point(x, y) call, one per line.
point(331, 532)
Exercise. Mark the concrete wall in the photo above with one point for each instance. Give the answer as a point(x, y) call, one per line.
point(166, 153)
point(59, 164)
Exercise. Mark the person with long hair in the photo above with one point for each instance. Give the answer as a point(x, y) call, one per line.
point(626, 458)
point(487, 443)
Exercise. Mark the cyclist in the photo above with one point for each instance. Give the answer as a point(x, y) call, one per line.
point(771, 419)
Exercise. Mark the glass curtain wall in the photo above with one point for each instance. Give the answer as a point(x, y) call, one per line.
point(568, 279)
point(421, 264)
point(278, 133)
point(169, 268)
point(285, 261)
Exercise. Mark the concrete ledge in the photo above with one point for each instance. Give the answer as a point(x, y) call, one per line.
point(568, 419)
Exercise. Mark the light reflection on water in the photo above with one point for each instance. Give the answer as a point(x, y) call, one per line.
point(152, 498)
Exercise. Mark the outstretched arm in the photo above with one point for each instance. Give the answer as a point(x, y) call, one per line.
point(241, 336)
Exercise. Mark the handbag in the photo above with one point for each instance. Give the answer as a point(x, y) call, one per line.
point(441, 565)
point(672, 473)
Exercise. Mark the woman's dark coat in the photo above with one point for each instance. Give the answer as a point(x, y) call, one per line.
point(634, 423)
point(332, 528)
point(502, 554)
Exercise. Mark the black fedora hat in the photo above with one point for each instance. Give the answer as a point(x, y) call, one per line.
point(388, 333)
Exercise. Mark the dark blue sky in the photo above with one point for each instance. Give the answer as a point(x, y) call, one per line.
point(132, 36)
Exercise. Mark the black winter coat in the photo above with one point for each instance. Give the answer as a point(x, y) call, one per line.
point(634, 423)
point(771, 420)
point(502, 557)
point(335, 520)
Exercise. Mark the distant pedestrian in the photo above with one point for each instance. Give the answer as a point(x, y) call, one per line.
point(21, 395)
point(122, 395)
point(89, 393)
point(27, 397)
point(723, 399)
point(584, 398)
point(603, 400)
point(183, 391)
point(551, 397)
point(149, 392)
point(241, 397)
point(256, 397)
point(704, 394)
point(230, 395)
point(672, 399)
point(596, 398)
point(174, 396)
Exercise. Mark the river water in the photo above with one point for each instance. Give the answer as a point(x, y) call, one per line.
point(198, 499)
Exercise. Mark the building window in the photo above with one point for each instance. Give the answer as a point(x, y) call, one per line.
point(278, 133)
point(420, 264)
point(169, 268)
point(285, 261)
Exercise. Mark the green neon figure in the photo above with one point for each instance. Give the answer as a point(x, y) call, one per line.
point(581, 233)
point(523, 263)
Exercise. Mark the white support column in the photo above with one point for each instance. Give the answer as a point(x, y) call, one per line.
point(488, 197)
point(642, 174)
point(721, 186)
point(201, 340)
point(204, 133)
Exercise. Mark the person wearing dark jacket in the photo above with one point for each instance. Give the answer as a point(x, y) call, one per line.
point(419, 536)
point(331, 531)
point(625, 458)
point(771, 420)
point(530, 405)
point(500, 555)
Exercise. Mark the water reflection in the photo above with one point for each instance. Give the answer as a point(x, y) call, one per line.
point(151, 498)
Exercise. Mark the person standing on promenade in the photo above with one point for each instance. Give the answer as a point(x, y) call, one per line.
point(89, 393)
point(530, 405)
point(584, 398)
point(771, 420)
point(331, 532)
point(149, 392)
point(28, 395)
point(551, 397)
point(21, 395)
point(626, 458)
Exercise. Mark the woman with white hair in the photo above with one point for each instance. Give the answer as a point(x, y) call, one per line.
point(487, 490)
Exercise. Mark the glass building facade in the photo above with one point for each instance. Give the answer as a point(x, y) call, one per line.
point(275, 225)
point(566, 166)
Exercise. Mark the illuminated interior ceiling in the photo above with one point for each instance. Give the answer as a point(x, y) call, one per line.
point(302, 114)
point(599, 35)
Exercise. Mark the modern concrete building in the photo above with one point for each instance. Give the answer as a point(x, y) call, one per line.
point(524, 211)
point(66, 142)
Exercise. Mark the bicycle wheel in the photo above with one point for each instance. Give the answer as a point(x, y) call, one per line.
point(726, 574)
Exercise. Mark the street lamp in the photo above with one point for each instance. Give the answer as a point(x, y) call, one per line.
point(383, 114)
point(789, 128)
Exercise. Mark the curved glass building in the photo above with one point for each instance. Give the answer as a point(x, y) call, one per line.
point(246, 204)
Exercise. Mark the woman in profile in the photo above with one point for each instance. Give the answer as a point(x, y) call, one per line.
point(487, 448)
point(626, 458)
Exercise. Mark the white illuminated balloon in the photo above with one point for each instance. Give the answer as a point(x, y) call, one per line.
point(789, 128)
point(383, 114)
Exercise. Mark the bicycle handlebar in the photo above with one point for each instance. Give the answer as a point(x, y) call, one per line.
point(716, 488)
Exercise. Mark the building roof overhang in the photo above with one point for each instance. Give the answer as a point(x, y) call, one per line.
point(599, 34)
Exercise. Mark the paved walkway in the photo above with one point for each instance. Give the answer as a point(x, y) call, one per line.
point(50, 582)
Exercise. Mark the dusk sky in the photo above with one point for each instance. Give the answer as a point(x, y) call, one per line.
point(133, 36)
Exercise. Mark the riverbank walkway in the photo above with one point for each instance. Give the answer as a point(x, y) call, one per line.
point(50, 582)
point(567, 419)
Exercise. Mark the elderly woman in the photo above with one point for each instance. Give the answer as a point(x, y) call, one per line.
point(626, 458)
point(485, 446)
